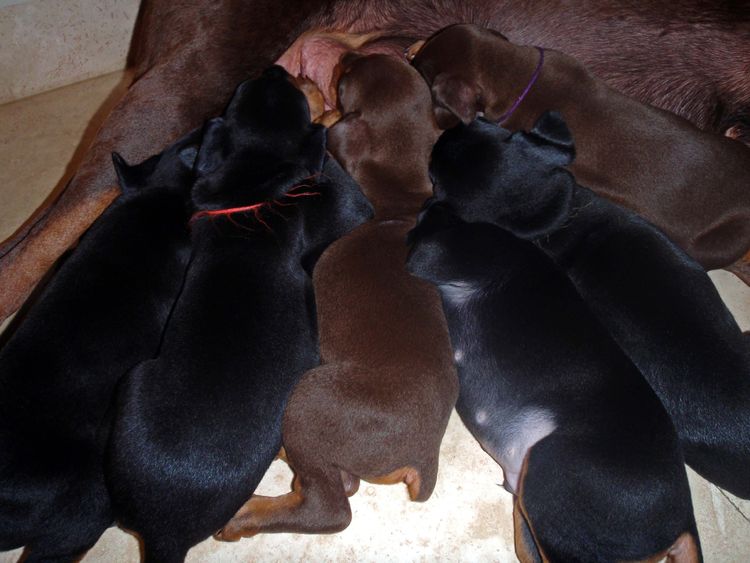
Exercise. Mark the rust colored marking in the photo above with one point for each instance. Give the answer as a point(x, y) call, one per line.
point(407, 475)
point(526, 553)
point(683, 550)
point(249, 520)
point(413, 49)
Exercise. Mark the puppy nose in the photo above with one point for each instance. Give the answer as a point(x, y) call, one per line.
point(412, 50)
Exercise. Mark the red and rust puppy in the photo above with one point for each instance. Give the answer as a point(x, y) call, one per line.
point(690, 183)
point(378, 406)
point(179, 82)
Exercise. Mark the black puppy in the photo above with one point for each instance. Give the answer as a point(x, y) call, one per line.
point(197, 428)
point(658, 303)
point(102, 312)
point(584, 443)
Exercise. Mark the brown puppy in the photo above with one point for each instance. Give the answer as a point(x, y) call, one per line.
point(188, 56)
point(692, 184)
point(378, 406)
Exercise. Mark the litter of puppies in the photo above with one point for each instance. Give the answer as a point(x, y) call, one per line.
point(594, 356)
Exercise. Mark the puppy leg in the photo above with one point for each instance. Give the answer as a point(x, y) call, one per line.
point(526, 549)
point(350, 482)
point(419, 481)
point(684, 550)
point(317, 504)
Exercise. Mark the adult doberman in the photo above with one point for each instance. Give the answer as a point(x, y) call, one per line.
point(187, 56)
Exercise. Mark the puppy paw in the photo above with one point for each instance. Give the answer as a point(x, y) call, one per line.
point(235, 530)
point(329, 118)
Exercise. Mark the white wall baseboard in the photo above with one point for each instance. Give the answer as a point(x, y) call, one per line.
point(45, 44)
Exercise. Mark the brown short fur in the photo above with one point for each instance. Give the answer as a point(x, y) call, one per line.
point(378, 406)
point(692, 184)
point(187, 57)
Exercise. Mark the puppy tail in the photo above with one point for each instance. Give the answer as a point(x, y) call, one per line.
point(163, 550)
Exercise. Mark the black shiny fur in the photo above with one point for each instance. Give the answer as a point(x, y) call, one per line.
point(101, 313)
point(530, 350)
point(197, 427)
point(658, 303)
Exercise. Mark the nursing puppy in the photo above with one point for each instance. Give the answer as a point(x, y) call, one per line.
point(197, 427)
point(102, 312)
point(187, 56)
point(658, 304)
point(377, 407)
point(584, 443)
point(690, 183)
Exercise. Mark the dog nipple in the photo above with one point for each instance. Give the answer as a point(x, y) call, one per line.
point(458, 355)
point(481, 416)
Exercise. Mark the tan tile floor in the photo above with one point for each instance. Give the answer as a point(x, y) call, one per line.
point(468, 517)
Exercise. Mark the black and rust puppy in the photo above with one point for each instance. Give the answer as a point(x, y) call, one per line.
point(584, 443)
point(658, 303)
point(691, 183)
point(197, 427)
point(102, 312)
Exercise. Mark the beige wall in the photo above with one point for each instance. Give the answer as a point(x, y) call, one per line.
point(45, 44)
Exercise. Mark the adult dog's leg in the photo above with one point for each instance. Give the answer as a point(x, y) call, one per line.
point(187, 56)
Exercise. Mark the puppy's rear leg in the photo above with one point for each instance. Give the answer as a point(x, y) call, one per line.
point(526, 549)
point(317, 504)
point(420, 481)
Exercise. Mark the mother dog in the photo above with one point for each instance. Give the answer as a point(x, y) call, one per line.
point(183, 72)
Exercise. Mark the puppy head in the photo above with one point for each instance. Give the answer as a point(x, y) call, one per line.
point(262, 146)
point(386, 112)
point(380, 85)
point(453, 62)
point(171, 168)
point(514, 181)
point(270, 106)
point(430, 256)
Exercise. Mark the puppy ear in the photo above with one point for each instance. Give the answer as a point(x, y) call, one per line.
point(428, 257)
point(123, 170)
point(434, 216)
point(314, 148)
point(552, 130)
point(455, 95)
point(215, 147)
point(188, 155)
point(547, 208)
point(133, 177)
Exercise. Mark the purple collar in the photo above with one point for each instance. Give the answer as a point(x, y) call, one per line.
point(526, 90)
